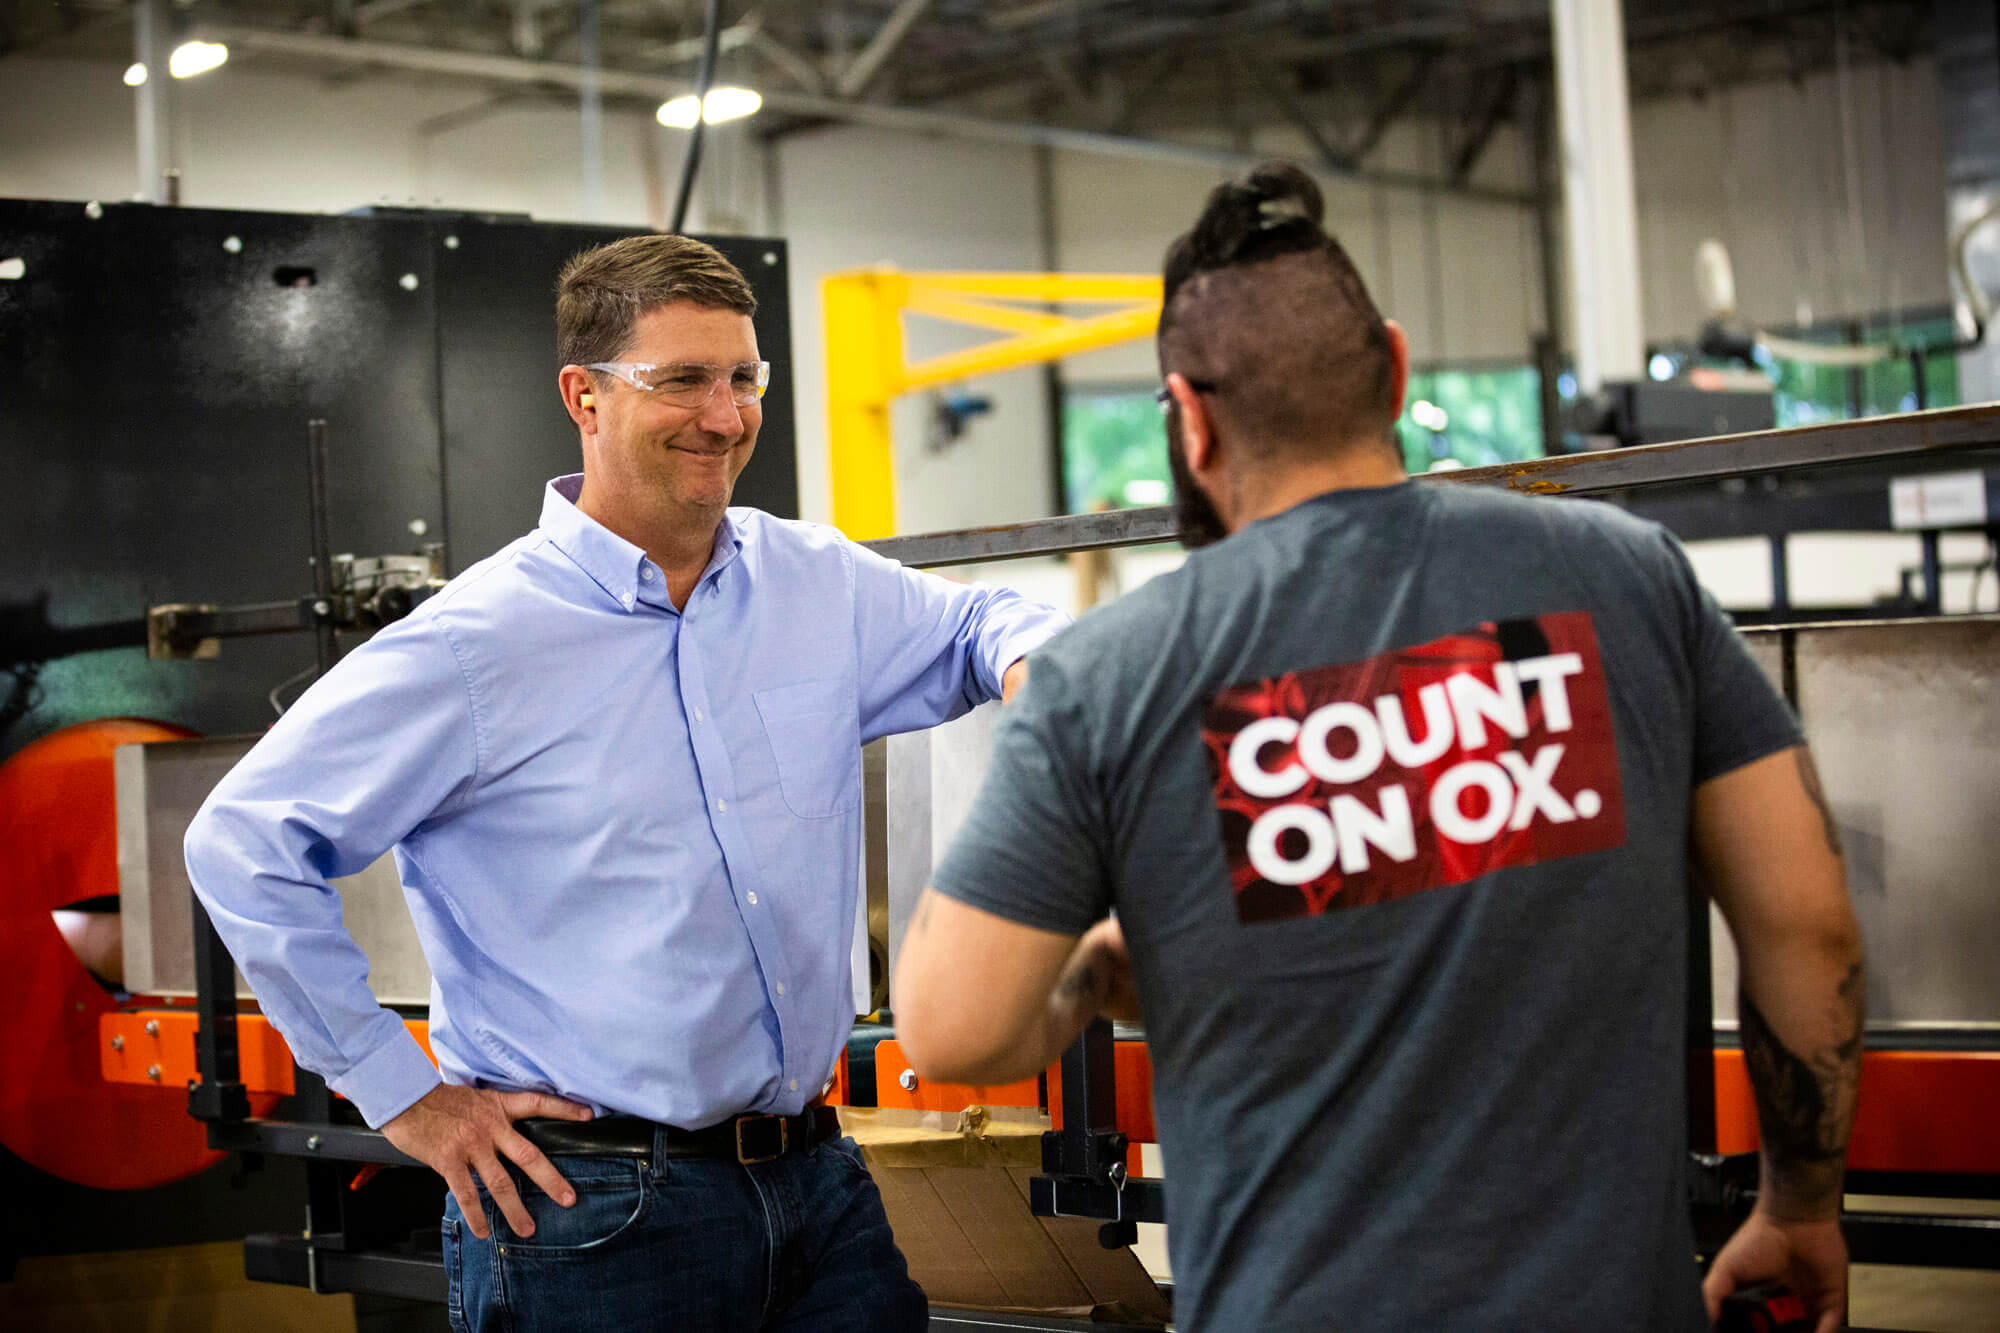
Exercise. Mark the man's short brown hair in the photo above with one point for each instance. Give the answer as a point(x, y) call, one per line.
point(602, 292)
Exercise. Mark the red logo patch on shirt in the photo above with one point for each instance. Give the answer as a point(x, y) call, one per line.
point(1352, 784)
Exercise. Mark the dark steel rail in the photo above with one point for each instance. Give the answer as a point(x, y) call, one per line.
point(1909, 435)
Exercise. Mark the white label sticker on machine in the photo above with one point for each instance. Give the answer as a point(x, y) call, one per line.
point(1939, 500)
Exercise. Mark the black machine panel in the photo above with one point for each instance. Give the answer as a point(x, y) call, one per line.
point(157, 370)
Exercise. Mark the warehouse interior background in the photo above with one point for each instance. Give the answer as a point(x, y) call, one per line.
point(1806, 137)
point(1835, 148)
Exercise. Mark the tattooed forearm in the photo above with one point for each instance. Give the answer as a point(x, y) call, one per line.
point(1809, 774)
point(1805, 1102)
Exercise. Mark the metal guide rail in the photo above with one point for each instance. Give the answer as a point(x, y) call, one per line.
point(1915, 436)
point(1084, 1163)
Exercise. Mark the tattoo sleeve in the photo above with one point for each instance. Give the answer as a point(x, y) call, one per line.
point(1805, 1102)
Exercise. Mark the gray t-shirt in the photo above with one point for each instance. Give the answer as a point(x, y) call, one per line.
point(1391, 794)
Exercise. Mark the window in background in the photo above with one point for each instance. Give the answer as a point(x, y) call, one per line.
point(1807, 393)
point(1114, 448)
point(1114, 445)
point(1471, 417)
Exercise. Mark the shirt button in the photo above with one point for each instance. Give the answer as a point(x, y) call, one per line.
point(697, 715)
point(722, 805)
point(795, 1085)
point(647, 573)
point(753, 897)
point(781, 988)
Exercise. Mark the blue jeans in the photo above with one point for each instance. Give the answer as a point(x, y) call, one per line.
point(695, 1244)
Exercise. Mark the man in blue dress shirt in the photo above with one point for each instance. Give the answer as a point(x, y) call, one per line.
point(619, 765)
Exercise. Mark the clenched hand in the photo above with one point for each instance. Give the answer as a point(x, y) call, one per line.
point(459, 1132)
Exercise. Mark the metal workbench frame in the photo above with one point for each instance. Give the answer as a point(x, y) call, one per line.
point(1084, 1162)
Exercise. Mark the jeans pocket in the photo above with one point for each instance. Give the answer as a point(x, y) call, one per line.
point(454, 1276)
point(847, 1151)
point(610, 1199)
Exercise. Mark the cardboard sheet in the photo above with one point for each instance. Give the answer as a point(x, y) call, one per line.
point(955, 1187)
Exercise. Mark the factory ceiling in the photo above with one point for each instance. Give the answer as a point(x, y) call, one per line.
point(1189, 74)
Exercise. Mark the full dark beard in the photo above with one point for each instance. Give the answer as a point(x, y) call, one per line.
point(1200, 524)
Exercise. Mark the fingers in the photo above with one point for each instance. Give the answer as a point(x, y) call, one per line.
point(1722, 1279)
point(1713, 1288)
point(539, 1168)
point(460, 1182)
point(518, 1105)
point(505, 1195)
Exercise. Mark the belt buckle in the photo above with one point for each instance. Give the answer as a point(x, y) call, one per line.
point(745, 1157)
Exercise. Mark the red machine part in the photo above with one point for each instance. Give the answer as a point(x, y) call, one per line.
point(58, 821)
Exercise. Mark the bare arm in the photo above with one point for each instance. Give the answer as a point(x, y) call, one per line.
point(1765, 837)
point(984, 1000)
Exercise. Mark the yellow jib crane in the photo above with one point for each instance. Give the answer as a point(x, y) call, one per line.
point(867, 363)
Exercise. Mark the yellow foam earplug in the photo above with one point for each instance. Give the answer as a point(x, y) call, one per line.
point(587, 399)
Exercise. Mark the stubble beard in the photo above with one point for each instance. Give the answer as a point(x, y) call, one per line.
point(1200, 524)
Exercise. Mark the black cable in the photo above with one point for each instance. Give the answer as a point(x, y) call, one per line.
point(1979, 575)
point(711, 40)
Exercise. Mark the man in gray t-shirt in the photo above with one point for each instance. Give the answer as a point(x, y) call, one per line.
point(1392, 793)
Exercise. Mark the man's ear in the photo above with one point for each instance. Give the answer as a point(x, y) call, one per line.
point(579, 395)
point(1399, 365)
point(1197, 427)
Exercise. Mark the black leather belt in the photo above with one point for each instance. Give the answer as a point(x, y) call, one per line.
point(745, 1138)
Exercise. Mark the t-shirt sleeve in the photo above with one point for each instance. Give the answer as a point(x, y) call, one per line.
point(1032, 849)
point(1739, 715)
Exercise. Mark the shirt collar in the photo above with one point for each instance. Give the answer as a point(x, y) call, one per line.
point(612, 562)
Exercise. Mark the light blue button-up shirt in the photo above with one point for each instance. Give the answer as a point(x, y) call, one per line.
point(629, 836)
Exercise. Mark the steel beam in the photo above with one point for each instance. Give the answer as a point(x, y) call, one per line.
point(292, 1138)
point(1913, 434)
point(903, 119)
point(854, 80)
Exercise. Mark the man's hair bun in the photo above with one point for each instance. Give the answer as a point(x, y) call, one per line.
point(1276, 210)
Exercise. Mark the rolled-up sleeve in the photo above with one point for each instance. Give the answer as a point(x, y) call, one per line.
point(930, 649)
point(385, 741)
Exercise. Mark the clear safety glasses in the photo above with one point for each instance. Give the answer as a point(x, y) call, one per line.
point(693, 384)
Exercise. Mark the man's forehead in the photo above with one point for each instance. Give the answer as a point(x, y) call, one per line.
point(684, 331)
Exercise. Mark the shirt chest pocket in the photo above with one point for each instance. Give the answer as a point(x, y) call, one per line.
point(815, 732)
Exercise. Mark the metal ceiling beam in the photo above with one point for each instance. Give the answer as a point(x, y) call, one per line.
point(909, 120)
point(376, 10)
point(788, 62)
point(1392, 106)
point(854, 80)
point(1332, 158)
point(1498, 107)
point(687, 50)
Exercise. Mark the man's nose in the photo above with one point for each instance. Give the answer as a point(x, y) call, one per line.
point(720, 415)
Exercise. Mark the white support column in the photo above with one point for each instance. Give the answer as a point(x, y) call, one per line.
point(152, 100)
point(1599, 204)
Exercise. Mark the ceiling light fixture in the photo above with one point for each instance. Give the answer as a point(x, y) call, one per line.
point(192, 58)
point(721, 104)
point(135, 74)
